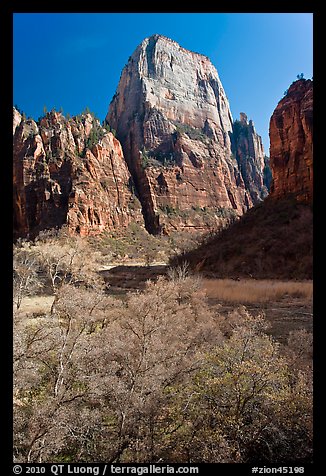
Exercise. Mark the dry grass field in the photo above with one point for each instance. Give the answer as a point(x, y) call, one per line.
point(256, 291)
point(287, 305)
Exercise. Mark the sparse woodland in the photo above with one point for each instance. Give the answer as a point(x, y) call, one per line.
point(152, 376)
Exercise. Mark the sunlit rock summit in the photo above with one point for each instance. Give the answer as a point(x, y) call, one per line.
point(173, 120)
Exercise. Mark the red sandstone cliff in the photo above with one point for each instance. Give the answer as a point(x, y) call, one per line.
point(173, 120)
point(69, 172)
point(174, 123)
point(275, 238)
point(291, 137)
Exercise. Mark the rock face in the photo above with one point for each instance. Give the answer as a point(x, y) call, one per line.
point(275, 238)
point(69, 172)
point(291, 137)
point(190, 166)
point(173, 120)
point(249, 152)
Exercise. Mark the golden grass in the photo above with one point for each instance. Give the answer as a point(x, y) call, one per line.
point(36, 304)
point(252, 290)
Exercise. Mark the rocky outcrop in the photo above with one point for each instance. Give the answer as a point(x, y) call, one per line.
point(291, 137)
point(69, 172)
point(182, 155)
point(173, 120)
point(249, 152)
point(275, 238)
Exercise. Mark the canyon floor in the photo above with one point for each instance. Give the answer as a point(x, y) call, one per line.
point(287, 305)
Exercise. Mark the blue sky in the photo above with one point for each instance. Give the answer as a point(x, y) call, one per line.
point(75, 60)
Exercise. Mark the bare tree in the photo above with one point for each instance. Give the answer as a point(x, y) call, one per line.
point(25, 277)
point(66, 260)
point(151, 377)
point(52, 367)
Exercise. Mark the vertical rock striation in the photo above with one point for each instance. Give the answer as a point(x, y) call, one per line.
point(291, 137)
point(69, 172)
point(183, 156)
point(275, 239)
point(173, 120)
point(249, 152)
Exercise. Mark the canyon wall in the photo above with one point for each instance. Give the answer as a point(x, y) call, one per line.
point(69, 172)
point(291, 137)
point(249, 151)
point(173, 120)
point(275, 238)
point(178, 161)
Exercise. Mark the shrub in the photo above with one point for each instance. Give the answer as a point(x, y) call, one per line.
point(96, 134)
point(54, 259)
point(154, 377)
point(81, 393)
point(108, 128)
point(169, 210)
point(242, 406)
point(192, 132)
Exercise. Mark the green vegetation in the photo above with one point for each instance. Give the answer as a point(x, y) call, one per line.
point(96, 134)
point(144, 159)
point(299, 76)
point(192, 132)
point(165, 159)
point(108, 128)
point(88, 111)
point(170, 210)
point(156, 159)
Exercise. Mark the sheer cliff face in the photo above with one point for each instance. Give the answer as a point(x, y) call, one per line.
point(181, 154)
point(291, 138)
point(58, 180)
point(249, 152)
point(173, 120)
